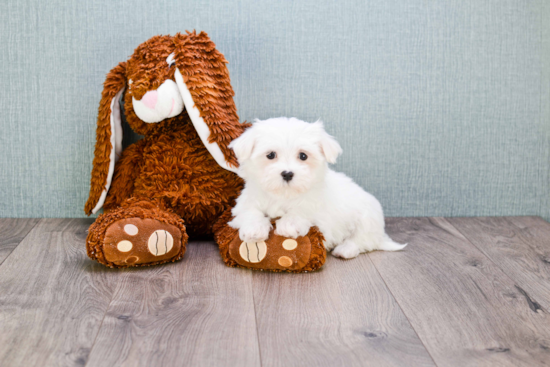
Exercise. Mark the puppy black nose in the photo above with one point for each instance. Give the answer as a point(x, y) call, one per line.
point(287, 176)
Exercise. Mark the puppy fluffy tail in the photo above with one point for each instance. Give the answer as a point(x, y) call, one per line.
point(389, 245)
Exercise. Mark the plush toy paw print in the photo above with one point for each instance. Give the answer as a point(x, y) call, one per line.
point(134, 241)
point(136, 235)
point(277, 253)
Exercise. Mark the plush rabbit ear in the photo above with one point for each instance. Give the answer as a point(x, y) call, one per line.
point(108, 145)
point(203, 80)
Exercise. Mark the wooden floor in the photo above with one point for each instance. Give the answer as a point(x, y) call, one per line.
point(465, 292)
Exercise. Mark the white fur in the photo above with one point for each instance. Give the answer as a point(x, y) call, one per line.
point(351, 219)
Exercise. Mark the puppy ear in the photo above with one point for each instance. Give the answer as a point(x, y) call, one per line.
point(330, 148)
point(243, 146)
point(108, 145)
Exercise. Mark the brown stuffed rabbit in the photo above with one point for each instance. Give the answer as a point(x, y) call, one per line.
point(179, 179)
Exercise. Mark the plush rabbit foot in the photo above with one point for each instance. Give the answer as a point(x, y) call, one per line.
point(136, 241)
point(277, 253)
point(121, 239)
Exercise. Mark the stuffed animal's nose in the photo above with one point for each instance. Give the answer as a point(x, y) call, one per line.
point(150, 99)
point(287, 176)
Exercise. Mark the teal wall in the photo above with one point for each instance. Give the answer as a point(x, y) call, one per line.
point(442, 107)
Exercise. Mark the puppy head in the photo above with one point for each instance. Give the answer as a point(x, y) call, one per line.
point(285, 156)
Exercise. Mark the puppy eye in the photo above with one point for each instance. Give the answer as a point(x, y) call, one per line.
point(303, 156)
point(271, 155)
point(171, 64)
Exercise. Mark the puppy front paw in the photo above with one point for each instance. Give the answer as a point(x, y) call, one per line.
point(292, 227)
point(255, 231)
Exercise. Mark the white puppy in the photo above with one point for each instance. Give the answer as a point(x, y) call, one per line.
point(284, 164)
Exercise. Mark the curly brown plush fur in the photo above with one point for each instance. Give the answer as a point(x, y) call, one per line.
point(173, 167)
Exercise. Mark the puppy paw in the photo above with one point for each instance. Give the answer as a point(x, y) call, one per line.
point(347, 250)
point(255, 231)
point(292, 227)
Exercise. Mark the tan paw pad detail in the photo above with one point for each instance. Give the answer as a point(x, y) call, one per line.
point(124, 246)
point(160, 242)
point(290, 244)
point(131, 229)
point(285, 261)
point(253, 252)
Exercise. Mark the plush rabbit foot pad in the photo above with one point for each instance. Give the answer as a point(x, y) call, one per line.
point(136, 241)
point(277, 253)
point(137, 234)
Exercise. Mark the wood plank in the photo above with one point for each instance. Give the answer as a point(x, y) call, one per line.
point(52, 297)
point(12, 231)
point(342, 315)
point(196, 312)
point(465, 309)
point(520, 246)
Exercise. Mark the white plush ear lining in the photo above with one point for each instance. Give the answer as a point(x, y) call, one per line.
point(116, 143)
point(330, 148)
point(198, 122)
point(244, 144)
